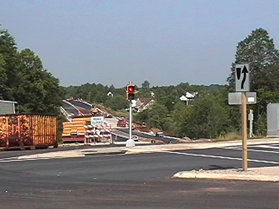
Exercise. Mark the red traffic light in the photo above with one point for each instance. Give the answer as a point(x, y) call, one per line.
point(131, 89)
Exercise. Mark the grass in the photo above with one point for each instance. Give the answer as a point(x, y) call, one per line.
point(230, 136)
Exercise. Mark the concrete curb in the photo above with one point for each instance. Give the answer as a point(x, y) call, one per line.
point(253, 174)
point(60, 154)
point(74, 153)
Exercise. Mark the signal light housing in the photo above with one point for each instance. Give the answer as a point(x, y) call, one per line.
point(131, 92)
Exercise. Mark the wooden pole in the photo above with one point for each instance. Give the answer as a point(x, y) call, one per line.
point(244, 133)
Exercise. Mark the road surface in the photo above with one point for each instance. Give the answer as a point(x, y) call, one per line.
point(136, 181)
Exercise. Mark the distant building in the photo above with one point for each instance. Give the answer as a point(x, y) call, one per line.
point(7, 107)
point(188, 98)
point(142, 104)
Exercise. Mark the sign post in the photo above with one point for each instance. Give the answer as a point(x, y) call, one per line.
point(251, 118)
point(242, 84)
point(244, 132)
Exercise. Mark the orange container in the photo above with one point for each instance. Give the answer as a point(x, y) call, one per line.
point(27, 130)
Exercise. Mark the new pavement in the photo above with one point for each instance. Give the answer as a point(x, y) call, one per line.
point(135, 181)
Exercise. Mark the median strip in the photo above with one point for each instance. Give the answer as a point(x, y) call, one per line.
point(268, 174)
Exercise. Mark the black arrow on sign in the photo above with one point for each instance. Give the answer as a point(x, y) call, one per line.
point(238, 73)
point(244, 71)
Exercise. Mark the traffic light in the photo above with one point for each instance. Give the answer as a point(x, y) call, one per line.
point(131, 92)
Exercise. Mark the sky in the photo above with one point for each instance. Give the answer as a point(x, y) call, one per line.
point(116, 41)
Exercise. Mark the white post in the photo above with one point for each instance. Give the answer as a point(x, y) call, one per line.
point(251, 118)
point(130, 142)
point(130, 121)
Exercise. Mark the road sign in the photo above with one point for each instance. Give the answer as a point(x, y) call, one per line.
point(242, 80)
point(97, 120)
point(235, 98)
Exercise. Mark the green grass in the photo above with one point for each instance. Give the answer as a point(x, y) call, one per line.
point(230, 136)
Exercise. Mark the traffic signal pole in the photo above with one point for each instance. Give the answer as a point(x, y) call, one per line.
point(130, 96)
point(130, 121)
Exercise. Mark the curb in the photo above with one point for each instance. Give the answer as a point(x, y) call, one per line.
point(238, 175)
point(86, 153)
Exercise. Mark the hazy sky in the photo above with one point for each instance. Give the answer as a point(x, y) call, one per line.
point(117, 41)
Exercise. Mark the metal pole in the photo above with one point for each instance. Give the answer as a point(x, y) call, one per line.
point(130, 122)
point(244, 133)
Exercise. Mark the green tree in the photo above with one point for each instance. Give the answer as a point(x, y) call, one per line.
point(9, 63)
point(145, 85)
point(3, 77)
point(157, 115)
point(23, 78)
point(205, 119)
point(117, 102)
point(257, 49)
point(37, 90)
point(182, 120)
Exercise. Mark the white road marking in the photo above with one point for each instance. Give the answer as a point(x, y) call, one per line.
point(265, 146)
point(251, 150)
point(221, 157)
point(20, 160)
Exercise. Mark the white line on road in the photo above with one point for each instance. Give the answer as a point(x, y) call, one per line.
point(265, 146)
point(20, 160)
point(251, 150)
point(220, 157)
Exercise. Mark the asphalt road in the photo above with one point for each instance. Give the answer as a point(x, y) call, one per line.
point(136, 181)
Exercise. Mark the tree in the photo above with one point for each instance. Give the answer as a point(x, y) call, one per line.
point(257, 49)
point(24, 79)
point(157, 115)
point(3, 77)
point(145, 85)
point(117, 102)
point(207, 118)
point(37, 90)
point(182, 119)
point(9, 62)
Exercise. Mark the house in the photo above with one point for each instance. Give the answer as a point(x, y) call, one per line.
point(188, 98)
point(142, 104)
